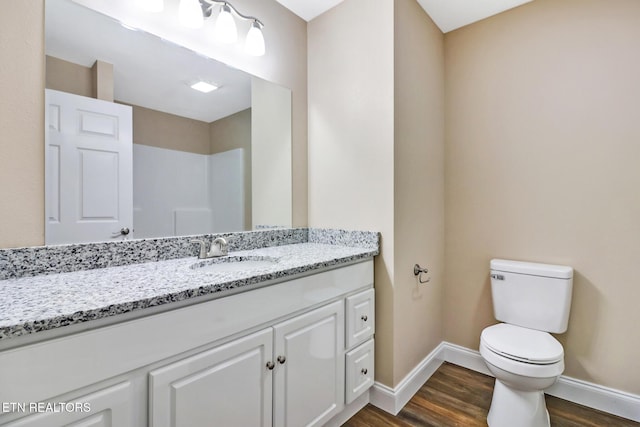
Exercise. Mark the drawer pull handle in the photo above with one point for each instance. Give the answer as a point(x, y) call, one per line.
point(270, 365)
point(282, 359)
point(364, 371)
point(364, 318)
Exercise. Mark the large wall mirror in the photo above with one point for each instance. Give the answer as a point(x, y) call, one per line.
point(199, 162)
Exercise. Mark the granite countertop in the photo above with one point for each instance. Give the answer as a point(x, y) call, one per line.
point(45, 302)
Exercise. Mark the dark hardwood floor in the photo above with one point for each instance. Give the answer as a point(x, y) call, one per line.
point(456, 396)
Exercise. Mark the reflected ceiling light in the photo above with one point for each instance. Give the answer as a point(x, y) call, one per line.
point(204, 87)
point(154, 6)
point(190, 13)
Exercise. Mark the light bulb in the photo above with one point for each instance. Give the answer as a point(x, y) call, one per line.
point(225, 31)
point(190, 14)
point(254, 44)
point(154, 6)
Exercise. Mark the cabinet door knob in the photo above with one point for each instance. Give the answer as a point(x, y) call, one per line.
point(270, 365)
point(281, 360)
point(364, 371)
point(364, 317)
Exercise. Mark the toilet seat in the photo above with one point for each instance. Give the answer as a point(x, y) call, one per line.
point(522, 344)
point(522, 351)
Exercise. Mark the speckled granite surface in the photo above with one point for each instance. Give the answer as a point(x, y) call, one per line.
point(362, 239)
point(38, 260)
point(42, 302)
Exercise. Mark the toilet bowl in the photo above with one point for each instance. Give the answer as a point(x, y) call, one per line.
point(524, 362)
point(532, 300)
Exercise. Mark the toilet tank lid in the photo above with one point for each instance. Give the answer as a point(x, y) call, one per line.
point(532, 268)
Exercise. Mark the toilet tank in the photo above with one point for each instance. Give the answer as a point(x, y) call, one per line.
point(531, 295)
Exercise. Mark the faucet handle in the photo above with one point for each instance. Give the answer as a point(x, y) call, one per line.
point(203, 248)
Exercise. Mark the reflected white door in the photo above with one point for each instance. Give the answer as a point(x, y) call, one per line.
point(88, 169)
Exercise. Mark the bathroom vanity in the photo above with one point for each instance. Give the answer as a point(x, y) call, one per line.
point(283, 344)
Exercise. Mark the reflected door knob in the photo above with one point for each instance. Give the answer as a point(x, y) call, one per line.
point(123, 232)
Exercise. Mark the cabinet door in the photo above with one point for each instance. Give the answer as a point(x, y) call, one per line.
point(309, 373)
point(108, 407)
point(228, 385)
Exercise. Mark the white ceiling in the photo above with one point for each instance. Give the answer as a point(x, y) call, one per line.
point(144, 76)
point(148, 71)
point(447, 14)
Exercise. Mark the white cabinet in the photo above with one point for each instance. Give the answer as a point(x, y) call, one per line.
point(231, 385)
point(360, 327)
point(108, 407)
point(360, 370)
point(228, 385)
point(274, 356)
point(360, 317)
point(309, 376)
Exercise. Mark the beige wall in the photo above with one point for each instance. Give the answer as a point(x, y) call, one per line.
point(419, 185)
point(22, 123)
point(542, 133)
point(376, 159)
point(233, 132)
point(68, 77)
point(350, 51)
point(22, 83)
point(164, 130)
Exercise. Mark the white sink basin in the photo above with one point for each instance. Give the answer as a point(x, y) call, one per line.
point(234, 263)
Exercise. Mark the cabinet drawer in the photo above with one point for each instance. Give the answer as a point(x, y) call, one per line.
point(360, 317)
point(359, 370)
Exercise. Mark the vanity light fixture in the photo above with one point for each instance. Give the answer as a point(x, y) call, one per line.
point(192, 13)
point(204, 87)
point(153, 6)
point(254, 43)
point(226, 31)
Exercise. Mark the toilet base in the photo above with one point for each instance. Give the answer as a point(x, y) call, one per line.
point(511, 407)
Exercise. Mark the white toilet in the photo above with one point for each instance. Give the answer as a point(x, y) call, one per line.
point(532, 300)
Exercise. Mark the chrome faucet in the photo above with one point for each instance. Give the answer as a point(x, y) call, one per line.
point(219, 247)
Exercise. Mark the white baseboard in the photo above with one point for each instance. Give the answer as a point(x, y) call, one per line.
point(392, 400)
point(605, 399)
point(616, 402)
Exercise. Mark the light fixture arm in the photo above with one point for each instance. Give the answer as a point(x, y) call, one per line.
point(226, 3)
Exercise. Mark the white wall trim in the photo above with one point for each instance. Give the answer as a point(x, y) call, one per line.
point(605, 399)
point(595, 396)
point(392, 400)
